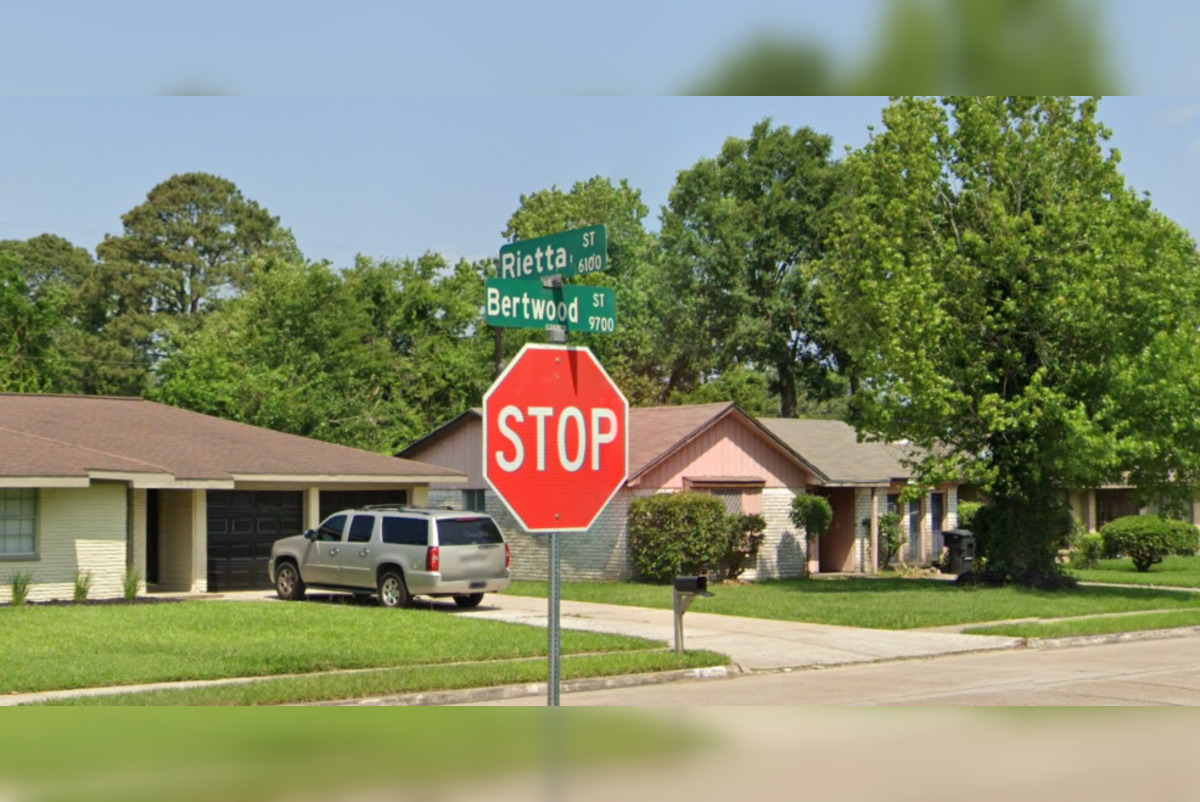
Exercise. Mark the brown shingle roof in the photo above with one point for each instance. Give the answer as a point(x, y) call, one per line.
point(834, 448)
point(69, 435)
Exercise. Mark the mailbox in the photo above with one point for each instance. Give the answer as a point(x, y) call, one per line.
point(697, 585)
point(687, 588)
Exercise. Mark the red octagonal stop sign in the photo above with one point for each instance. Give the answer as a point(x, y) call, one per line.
point(555, 438)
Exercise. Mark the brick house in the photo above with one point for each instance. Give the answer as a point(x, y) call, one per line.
point(191, 502)
point(713, 448)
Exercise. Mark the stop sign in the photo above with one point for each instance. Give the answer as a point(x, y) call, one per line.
point(555, 438)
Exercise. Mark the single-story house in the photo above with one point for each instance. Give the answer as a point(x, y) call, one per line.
point(864, 480)
point(104, 485)
point(714, 448)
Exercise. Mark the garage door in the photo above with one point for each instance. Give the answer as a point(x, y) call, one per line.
point(242, 525)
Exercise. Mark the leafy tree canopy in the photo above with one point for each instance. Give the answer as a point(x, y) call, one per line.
point(743, 234)
point(1010, 304)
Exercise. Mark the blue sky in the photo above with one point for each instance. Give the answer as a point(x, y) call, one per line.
point(396, 177)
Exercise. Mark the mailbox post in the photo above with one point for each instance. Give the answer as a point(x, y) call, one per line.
point(687, 588)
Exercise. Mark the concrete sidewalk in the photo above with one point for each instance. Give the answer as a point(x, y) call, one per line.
point(753, 644)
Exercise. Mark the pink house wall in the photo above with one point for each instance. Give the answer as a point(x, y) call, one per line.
point(730, 448)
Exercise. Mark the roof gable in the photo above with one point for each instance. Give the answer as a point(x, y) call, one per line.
point(833, 446)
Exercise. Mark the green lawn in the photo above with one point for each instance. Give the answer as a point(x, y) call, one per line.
point(410, 679)
point(879, 603)
point(204, 754)
point(1094, 626)
point(54, 647)
point(1180, 572)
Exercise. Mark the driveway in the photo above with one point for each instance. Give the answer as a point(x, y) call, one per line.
point(753, 644)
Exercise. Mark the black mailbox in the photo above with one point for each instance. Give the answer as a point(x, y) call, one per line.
point(692, 584)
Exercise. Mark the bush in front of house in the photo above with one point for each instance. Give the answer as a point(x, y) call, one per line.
point(746, 533)
point(1086, 551)
point(677, 534)
point(1147, 539)
point(966, 514)
point(811, 513)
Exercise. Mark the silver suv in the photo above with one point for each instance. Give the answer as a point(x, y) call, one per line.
point(397, 552)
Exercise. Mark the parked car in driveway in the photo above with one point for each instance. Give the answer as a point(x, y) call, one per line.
point(397, 553)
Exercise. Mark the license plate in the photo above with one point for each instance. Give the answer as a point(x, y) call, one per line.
point(477, 585)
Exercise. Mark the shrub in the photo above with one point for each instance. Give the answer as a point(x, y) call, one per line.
point(966, 514)
point(133, 578)
point(891, 538)
point(83, 585)
point(744, 538)
point(1146, 539)
point(1087, 551)
point(811, 513)
point(19, 584)
point(677, 533)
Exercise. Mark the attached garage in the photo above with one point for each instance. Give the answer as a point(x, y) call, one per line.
point(242, 525)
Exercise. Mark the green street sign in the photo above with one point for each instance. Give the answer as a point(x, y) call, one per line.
point(516, 303)
point(567, 253)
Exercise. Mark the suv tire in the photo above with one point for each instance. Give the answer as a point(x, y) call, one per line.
point(470, 600)
point(392, 590)
point(288, 583)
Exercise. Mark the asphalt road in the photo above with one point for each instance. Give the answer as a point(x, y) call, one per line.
point(1149, 672)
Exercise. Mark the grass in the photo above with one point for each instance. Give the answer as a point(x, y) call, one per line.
point(878, 603)
point(1094, 626)
point(202, 754)
point(1180, 572)
point(410, 679)
point(59, 647)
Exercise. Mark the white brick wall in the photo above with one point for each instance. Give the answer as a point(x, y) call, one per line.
point(601, 553)
point(782, 553)
point(79, 529)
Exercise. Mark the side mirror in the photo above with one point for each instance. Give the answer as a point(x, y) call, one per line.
point(311, 534)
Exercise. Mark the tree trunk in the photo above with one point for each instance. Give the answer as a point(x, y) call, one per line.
point(787, 391)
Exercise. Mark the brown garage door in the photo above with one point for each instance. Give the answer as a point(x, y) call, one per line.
point(242, 525)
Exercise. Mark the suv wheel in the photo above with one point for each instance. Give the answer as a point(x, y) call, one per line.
point(392, 590)
point(470, 600)
point(288, 583)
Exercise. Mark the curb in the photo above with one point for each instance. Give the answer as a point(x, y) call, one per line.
point(502, 692)
point(1115, 637)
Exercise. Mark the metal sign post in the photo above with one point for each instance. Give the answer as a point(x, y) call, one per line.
point(554, 623)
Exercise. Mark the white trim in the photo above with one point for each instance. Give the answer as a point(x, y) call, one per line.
point(18, 482)
point(342, 478)
point(624, 427)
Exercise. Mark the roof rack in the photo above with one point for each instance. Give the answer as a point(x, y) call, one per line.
point(388, 507)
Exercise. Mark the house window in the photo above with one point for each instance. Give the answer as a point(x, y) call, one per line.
point(474, 501)
point(732, 499)
point(18, 523)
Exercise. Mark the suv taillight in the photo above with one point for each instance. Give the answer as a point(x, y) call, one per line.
point(433, 559)
point(507, 556)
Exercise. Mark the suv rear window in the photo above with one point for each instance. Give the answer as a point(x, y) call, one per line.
point(405, 531)
point(468, 531)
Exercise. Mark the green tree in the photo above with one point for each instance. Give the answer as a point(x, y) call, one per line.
point(1012, 306)
point(194, 238)
point(30, 360)
point(637, 353)
point(296, 353)
point(742, 235)
point(427, 315)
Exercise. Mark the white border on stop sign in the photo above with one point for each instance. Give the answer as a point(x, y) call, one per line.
point(624, 425)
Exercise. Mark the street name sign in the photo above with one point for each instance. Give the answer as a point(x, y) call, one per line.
point(568, 253)
point(517, 303)
point(555, 438)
